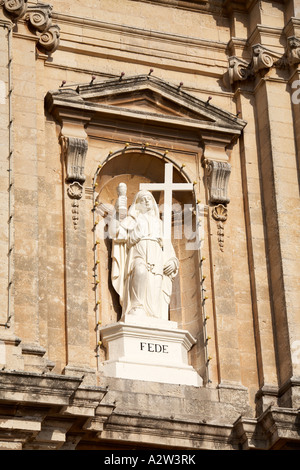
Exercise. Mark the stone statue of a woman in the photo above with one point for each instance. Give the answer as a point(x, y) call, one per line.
point(143, 263)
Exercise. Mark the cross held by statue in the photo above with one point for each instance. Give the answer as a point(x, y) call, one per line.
point(168, 187)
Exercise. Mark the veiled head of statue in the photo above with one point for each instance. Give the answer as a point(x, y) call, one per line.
point(144, 202)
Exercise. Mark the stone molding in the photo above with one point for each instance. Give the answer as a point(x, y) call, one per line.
point(43, 393)
point(39, 20)
point(205, 5)
point(262, 59)
point(81, 112)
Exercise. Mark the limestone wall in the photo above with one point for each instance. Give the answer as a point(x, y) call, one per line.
point(242, 58)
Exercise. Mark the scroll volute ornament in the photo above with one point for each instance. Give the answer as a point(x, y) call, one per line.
point(263, 58)
point(39, 21)
point(238, 70)
point(15, 8)
point(39, 16)
point(49, 39)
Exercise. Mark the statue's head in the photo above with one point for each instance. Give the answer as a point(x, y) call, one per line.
point(144, 202)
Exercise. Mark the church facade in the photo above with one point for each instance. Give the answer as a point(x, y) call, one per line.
point(108, 342)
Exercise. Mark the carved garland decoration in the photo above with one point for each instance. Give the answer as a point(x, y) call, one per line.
point(38, 18)
point(220, 213)
point(74, 152)
point(75, 191)
point(218, 174)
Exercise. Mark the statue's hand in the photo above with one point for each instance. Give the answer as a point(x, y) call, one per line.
point(170, 267)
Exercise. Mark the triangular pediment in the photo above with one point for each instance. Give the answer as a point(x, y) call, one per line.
point(145, 98)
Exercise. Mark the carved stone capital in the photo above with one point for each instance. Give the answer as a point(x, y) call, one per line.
point(218, 174)
point(49, 39)
point(263, 58)
point(39, 16)
point(15, 8)
point(293, 50)
point(39, 21)
point(74, 151)
point(238, 69)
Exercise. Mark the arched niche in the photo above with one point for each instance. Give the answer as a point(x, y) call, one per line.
point(133, 168)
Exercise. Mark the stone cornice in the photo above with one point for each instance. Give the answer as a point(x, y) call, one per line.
point(184, 53)
point(54, 403)
point(272, 426)
point(238, 5)
point(38, 19)
point(192, 5)
point(204, 6)
point(38, 408)
point(134, 31)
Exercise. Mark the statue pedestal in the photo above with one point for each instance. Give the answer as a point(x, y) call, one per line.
point(150, 350)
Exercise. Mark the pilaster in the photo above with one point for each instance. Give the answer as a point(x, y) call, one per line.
point(23, 155)
point(6, 190)
point(217, 177)
point(278, 167)
point(256, 242)
point(74, 150)
point(263, 76)
point(294, 84)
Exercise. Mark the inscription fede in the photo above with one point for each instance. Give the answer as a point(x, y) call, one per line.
point(154, 347)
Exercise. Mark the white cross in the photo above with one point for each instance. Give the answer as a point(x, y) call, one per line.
point(168, 187)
